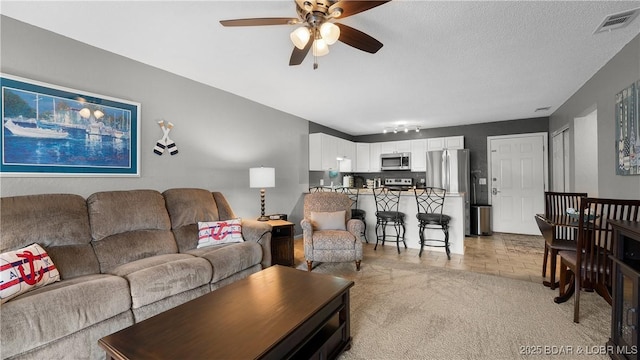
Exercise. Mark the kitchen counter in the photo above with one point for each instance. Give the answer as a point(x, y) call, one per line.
point(453, 206)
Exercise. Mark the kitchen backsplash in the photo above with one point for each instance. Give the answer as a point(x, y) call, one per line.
point(360, 178)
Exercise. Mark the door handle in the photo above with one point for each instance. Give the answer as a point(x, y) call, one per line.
point(494, 191)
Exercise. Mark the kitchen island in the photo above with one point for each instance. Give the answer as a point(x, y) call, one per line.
point(453, 206)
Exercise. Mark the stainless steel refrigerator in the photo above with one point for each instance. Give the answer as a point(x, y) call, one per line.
point(449, 169)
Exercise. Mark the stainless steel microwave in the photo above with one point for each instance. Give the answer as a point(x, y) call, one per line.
point(395, 161)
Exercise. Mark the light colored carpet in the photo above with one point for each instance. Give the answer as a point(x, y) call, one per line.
point(408, 311)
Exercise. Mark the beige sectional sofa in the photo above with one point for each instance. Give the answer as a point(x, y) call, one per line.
point(123, 256)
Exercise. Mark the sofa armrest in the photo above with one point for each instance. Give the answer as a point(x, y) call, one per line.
point(356, 227)
point(259, 232)
point(307, 228)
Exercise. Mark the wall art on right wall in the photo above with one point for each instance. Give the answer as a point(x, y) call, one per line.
point(628, 130)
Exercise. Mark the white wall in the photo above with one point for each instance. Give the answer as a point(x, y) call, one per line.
point(219, 135)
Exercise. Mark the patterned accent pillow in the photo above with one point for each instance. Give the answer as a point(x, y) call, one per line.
point(333, 220)
point(219, 232)
point(25, 269)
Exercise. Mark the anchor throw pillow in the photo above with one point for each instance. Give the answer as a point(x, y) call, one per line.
point(219, 232)
point(25, 269)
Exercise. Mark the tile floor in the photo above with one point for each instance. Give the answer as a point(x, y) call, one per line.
point(509, 255)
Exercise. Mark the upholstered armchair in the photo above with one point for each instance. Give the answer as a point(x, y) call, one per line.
point(329, 233)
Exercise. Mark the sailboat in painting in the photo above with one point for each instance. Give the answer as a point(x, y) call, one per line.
point(36, 132)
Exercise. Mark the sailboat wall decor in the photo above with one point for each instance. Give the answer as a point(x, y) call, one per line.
point(628, 130)
point(49, 130)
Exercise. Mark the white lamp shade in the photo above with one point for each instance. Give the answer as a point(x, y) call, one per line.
point(320, 47)
point(262, 177)
point(300, 37)
point(330, 32)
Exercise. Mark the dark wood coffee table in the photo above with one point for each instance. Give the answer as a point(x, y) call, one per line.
point(277, 313)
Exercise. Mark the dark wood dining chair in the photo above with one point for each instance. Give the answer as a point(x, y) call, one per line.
point(556, 237)
point(589, 267)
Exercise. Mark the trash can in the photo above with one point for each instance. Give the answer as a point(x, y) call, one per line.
point(481, 220)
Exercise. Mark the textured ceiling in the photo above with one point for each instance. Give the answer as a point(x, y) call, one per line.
point(443, 63)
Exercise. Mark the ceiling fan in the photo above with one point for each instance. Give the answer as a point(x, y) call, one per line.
point(317, 30)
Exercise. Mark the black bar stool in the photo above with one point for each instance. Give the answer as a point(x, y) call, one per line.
point(356, 213)
point(387, 204)
point(315, 189)
point(430, 202)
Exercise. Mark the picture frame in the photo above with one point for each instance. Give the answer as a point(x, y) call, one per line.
point(627, 130)
point(50, 130)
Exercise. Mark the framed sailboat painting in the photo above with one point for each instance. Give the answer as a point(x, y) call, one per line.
point(50, 130)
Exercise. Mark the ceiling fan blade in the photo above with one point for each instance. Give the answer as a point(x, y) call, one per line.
point(297, 56)
point(358, 39)
point(259, 21)
point(353, 7)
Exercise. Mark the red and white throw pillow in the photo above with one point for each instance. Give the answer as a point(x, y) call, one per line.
point(219, 232)
point(25, 269)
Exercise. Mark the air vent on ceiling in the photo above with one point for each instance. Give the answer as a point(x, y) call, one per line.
point(546, 108)
point(617, 21)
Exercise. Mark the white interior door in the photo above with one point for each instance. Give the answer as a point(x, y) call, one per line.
point(518, 180)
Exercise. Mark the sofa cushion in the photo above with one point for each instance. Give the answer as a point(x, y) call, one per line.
point(123, 248)
point(29, 219)
point(24, 270)
point(229, 259)
point(219, 232)
point(129, 225)
point(187, 207)
point(158, 277)
point(60, 309)
point(116, 212)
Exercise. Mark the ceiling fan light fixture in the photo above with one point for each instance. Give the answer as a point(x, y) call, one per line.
point(320, 47)
point(300, 37)
point(330, 32)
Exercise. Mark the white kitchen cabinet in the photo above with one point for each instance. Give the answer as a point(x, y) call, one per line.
point(454, 142)
point(346, 149)
point(362, 157)
point(324, 151)
point(435, 144)
point(419, 155)
point(329, 152)
point(402, 146)
point(375, 149)
point(449, 142)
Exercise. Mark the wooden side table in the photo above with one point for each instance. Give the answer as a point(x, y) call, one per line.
point(281, 242)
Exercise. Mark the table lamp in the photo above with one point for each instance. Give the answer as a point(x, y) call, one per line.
point(262, 177)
